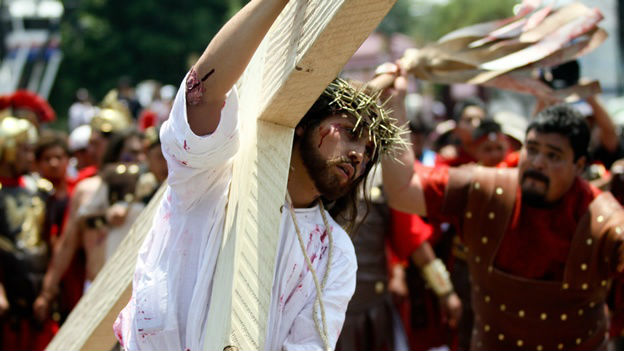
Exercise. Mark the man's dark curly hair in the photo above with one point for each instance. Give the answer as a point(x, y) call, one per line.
point(567, 121)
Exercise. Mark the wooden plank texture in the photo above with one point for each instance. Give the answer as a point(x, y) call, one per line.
point(90, 324)
point(305, 49)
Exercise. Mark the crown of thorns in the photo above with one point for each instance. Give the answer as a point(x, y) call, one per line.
point(371, 115)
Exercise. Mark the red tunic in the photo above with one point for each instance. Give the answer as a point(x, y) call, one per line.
point(537, 240)
point(22, 332)
point(84, 173)
point(461, 158)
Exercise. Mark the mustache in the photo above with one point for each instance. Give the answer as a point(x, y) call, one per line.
point(535, 175)
point(340, 159)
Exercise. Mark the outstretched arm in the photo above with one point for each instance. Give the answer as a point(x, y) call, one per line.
point(402, 185)
point(224, 61)
point(608, 134)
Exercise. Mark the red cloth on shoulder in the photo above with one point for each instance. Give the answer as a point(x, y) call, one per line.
point(84, 173)
point(537, 241)
point(461, 158)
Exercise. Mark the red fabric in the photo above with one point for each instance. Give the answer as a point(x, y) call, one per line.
point(148, 118)
point(84, 173)
point(433, 182)
point(510, 161)
point(537, 247)
point(24, 99)
point(537, 241)
point(12, 182)
point(617, 313)
point(5, 102)
point(462, 158)
point(409, 231)
point(27, 335)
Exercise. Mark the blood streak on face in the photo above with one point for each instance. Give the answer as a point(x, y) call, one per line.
point(323, 133)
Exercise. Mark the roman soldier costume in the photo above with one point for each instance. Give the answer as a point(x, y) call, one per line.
point(540, 303)
point(24, 251)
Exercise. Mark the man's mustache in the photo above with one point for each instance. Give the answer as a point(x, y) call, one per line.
point(535, 175)
point(339, 160)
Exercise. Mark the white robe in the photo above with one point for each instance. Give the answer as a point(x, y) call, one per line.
point(177, 261)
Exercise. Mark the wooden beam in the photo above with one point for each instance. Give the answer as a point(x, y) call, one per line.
point(90, 324)
point(305, 49)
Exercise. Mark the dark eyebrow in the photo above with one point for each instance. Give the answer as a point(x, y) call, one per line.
point(556, 148)
point(550, 146)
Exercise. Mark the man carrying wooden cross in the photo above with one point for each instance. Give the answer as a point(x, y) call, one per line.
point(335, 146)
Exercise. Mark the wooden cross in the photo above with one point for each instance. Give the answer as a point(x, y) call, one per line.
point(305, 49)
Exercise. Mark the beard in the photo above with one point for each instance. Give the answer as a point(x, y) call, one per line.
point(321, 170)
point(530, 196)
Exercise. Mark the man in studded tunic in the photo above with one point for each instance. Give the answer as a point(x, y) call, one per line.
point(543, 244)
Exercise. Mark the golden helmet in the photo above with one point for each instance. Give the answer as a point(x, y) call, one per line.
point(14, 131)
point(113, 116)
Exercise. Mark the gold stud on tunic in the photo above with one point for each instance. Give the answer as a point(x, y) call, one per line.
point(592, 304)
point(519, 343)
point(589, 241)
point(491, 215)
point(484, 239)
point(468, 214)
point(578, 341)
point(486, 328)
point(564, 317)
point(603, 283)
point(539, 348)
point(584, 286)
point(490, 269)
point(477, 185)
point(521, 313)
point(487, 298)
point(584, 267)
point(560, 347)
point(565, 286)
point(543, 316)
point(477, 259)
point(503, 307)
point(501, 337)
point(580, 312)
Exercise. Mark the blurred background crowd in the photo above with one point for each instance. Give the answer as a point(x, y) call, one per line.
point(86, 84)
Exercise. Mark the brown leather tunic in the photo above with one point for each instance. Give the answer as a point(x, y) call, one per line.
point(513, 312)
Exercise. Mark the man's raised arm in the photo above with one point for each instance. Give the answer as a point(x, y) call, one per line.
point(225, 60)
point(402, 185)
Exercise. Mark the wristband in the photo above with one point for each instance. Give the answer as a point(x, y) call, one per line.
point(437, 277)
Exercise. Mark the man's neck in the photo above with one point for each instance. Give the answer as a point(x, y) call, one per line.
point(301, 187)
